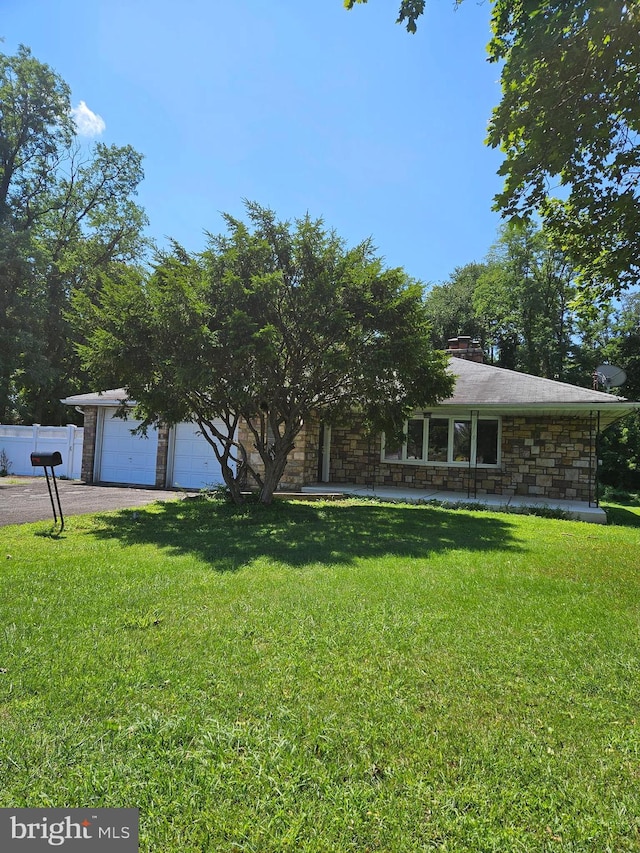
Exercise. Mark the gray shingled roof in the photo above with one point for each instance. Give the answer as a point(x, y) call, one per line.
point(482, 387)
point(485, 387)
point(484, 383)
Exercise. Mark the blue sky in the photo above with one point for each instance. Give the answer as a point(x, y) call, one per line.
point(296, 104)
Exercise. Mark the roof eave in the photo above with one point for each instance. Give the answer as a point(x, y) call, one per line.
point(116, 397)
point(608, 412)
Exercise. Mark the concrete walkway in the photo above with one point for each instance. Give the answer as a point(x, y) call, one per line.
point(578, 510)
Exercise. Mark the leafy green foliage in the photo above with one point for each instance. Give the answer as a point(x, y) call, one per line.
point(569, 125)
point(523, 298)
point(620, 446)
point(518, 303)
point(451, 309)
point(5, 463)
point(65, 215)
point(570, 112)
point(408, 14)
point(35, 125)
point(273, 323)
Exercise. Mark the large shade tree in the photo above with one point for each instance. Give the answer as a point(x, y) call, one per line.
point(523, 299)
point(274, 323)
point(620, 445)
point(569, 125)
point(451, 307)
point(66, 214)
point(517, 303)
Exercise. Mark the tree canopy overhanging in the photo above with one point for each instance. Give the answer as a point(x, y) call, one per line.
point(569, 126)
point(272, 324)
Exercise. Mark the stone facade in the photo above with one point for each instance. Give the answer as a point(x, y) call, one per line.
point(542, 457)
point(550, 457)
point(545, 457)
point(302, 464)
point(162, 457)
point(89, 443)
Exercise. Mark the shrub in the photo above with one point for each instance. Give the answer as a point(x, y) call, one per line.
point(5, 464)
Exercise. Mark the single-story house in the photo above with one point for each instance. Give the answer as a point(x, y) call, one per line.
point(500, 433)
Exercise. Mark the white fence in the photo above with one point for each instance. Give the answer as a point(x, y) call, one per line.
point(19, 442)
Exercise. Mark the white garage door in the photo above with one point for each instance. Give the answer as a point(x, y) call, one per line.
point(194, 464)
point(126, 458)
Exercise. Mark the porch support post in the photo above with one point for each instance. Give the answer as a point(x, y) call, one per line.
point(593, 468)
point(473, 453)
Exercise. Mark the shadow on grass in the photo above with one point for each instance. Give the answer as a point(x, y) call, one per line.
point(622, 516)
point(295, 533)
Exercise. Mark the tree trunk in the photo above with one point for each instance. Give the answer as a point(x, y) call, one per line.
point(274, 470)
point(233, 484)
point(222, 446)
point(274, 448)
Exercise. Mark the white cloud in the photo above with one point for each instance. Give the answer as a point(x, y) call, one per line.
point(87, 122)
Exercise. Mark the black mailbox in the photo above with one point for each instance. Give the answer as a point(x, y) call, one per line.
point(46, 460)
point(50, 460)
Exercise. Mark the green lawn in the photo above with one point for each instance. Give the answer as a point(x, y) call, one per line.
point(327, 677)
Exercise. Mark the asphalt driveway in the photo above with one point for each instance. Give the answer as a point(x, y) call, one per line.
point(28, 499)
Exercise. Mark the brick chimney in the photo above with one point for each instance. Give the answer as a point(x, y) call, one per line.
point(464, 347)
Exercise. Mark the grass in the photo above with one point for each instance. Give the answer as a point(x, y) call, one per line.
point(625, 512)
point(327, 677)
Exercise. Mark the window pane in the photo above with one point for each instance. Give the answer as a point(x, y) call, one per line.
point(461, 441)
point(415, 433)
point(438, 440)
point(392, 451)
point(487, 443)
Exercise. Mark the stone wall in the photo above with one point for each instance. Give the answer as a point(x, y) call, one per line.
point(549, 457)
point(355, 458)
point(541, 457)
point(302, 464)
point(89, 443)
point(162, 457)
point(309, 472)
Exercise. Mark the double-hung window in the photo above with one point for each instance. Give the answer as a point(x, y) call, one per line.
point(447, 440)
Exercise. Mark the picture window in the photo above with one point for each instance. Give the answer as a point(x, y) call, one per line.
point(447, 441)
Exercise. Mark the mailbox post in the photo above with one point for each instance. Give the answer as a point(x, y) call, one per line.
point(50, 460)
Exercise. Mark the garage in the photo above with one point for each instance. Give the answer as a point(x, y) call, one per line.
point(123, 457)
point(192, 462)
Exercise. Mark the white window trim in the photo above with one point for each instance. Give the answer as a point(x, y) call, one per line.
point(474, 417)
